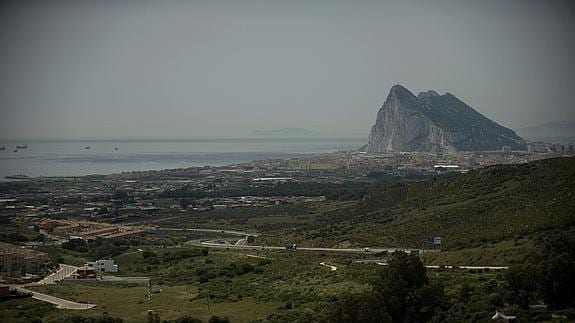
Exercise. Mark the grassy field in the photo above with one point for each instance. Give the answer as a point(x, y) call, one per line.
point(67, 256)
point(282, 284)
point(243, 285)
point(24, 310)
point(170, 302)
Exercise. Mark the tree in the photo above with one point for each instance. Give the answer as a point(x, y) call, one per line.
point(59, 259)
point(147, 254)
point(184, 203)
point(78, 245)
point(217, 319)
point(522, 283)
point(101, 319)
point(557, 275)
point(187, 319)
point(363, 308)
point(120, 195)
point(548, 275)
point(405, 292)
point(401, 293)
point(153, 317)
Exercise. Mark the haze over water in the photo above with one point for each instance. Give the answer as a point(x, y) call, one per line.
point(71, 158)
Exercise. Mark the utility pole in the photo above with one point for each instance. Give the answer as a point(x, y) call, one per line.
point(150, 294)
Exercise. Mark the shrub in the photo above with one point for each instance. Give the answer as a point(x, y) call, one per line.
point(217, 319)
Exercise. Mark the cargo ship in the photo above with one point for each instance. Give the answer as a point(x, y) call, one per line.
point(17, 177)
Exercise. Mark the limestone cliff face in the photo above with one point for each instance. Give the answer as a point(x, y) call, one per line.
point(431, 121)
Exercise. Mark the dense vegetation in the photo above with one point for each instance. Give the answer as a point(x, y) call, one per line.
point(12, 233)
point(401, 293)
point(548, 276)
point(97, 249)
point(481, 207)
point(523, 209)
point(332, 191)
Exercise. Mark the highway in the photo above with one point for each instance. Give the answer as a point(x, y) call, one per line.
point(208, 244)
point(471, 267)
point(382, 262)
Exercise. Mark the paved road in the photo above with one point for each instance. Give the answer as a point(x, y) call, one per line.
point(256, 256)
point(472, 267)
point(126, 280)
point(209, 244)
point(231, 232)
point(332, 268)
point(241, 242)
point(370, 261)
point(382, 262)
point(59, 302)
point(60, 274)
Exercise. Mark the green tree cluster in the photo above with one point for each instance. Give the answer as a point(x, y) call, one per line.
point(401, 293)
point(97, 249)
point(547, 276)
point(100, 319)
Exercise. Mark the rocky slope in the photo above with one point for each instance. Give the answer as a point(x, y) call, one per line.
point(429, 122)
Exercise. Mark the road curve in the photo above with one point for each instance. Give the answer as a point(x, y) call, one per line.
point(59, 302)
point(63, 272)
point(230, 232)
point(332, 268)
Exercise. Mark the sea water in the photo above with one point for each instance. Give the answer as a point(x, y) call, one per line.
point(85, 157)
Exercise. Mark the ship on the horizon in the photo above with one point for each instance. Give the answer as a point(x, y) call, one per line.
point(20, 176)
point(2, 148)
point(22, 147)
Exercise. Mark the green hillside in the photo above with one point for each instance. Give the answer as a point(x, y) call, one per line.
point(485, 206)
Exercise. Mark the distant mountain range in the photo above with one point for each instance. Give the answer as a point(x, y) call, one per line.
point(302, 133)
point(550, 130)
point(431, 121)
point(285, 132)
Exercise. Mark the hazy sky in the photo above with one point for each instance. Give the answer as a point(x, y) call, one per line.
point(225, 68)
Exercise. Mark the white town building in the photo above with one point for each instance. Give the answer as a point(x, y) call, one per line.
point(106, 265)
